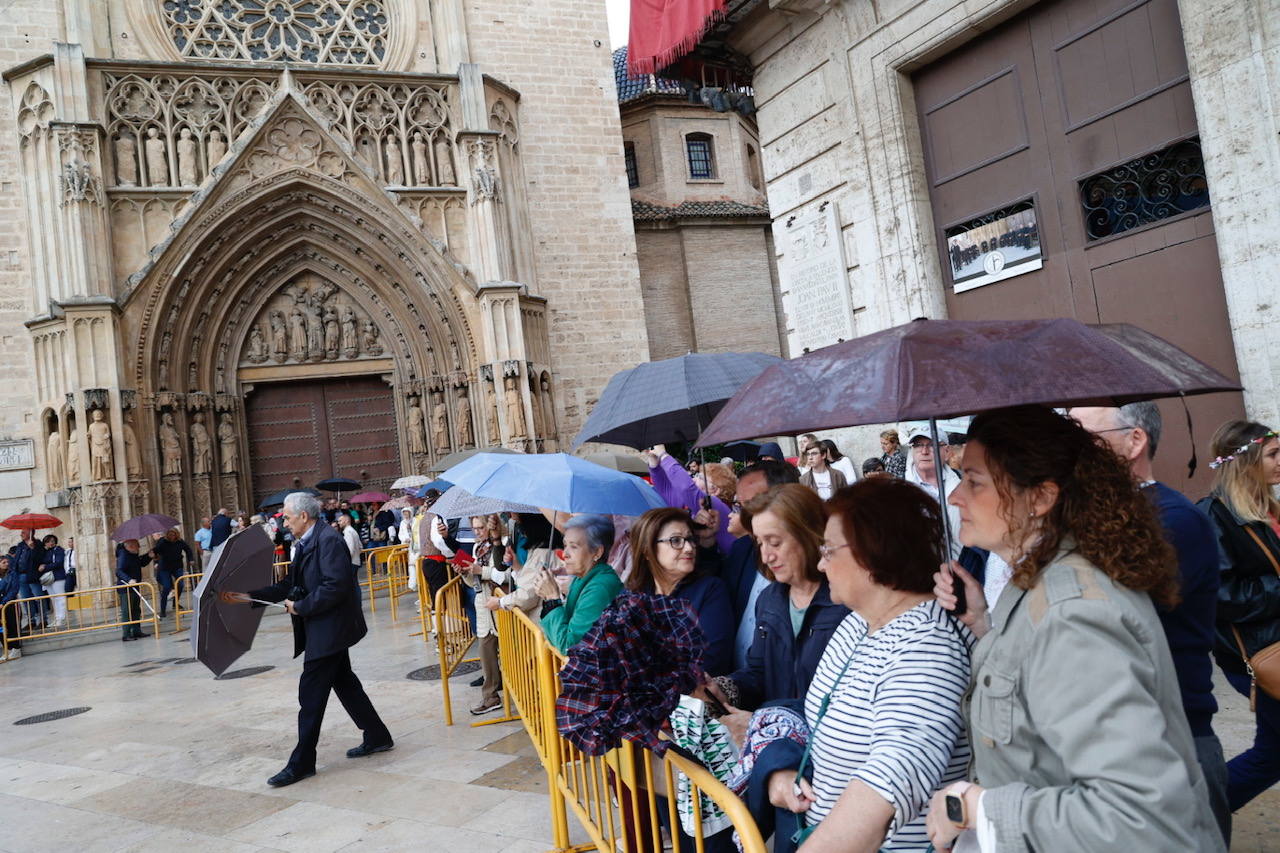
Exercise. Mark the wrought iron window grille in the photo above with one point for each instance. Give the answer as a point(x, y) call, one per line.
point(1156, 186)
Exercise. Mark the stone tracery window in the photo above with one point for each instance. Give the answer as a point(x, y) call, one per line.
point(334, 32)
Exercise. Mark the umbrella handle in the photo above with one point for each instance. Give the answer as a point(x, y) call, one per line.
point(266, 603)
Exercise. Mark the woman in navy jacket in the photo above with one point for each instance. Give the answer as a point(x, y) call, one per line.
point(55, 561)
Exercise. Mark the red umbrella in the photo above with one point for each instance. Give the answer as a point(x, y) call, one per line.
point(31, 521)
point(370, 498)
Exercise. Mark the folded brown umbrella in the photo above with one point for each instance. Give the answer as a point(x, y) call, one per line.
point(223, 631)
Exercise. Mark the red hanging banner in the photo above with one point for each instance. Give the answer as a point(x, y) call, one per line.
point(662, 31)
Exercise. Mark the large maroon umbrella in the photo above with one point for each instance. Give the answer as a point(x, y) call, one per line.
point(942, 368)
point(144, 525)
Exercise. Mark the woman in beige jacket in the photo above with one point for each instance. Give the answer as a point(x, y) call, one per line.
point(1078, 734)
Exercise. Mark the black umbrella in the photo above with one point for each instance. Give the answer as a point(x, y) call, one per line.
point(277, 498)
point(337, 484)
point(669, 400)
point(742, 451)
point(223, 631)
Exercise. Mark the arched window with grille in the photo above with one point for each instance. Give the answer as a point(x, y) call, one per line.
point(701, 154)
point(629, 155)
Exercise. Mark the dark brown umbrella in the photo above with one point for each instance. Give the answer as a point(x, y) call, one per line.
point(942, 368)
point(223, 631)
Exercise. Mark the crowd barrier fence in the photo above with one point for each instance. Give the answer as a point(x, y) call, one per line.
point(87, 610)
point(619, 798)
point(378, 576)
point(187, 583)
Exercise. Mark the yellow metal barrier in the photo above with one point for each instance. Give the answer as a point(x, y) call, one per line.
point(615, 796)
point(378, 575)
point(453, 636)
point(87, 610)
point(187, 583)
point(279, 570)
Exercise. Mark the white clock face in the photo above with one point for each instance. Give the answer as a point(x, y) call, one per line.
point(993, 262)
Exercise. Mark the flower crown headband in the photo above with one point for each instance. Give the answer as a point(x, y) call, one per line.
point(1223, 460)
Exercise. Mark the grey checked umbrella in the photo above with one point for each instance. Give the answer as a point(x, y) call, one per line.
point(669, 400)
point(459, 503)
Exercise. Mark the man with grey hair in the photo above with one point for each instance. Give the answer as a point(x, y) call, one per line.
point(321, 594)
point(1133, 432)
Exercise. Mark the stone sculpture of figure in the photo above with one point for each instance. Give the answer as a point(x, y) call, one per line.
point(445, 176)
point(101, 458)
point(395, 165)
point(439, 422)
point(170, 446)
point(421, 168)
point(132, 454)
point(257, 345)
point(515, 408)
point(157, 166)
point(371, 344)
point(126, 160)
point(279, 337)
point(73, 458)
point(297, 334)
point(227, 447)
point(535, 406)
point(491, 414)
point(330, 332)
point(315, 328)
point(217, 148)
point(417, 428)
point(56, 473)
point(462, 417)
point(201, 446)
point(548, 413)
point(187, 165)
point(350, 343)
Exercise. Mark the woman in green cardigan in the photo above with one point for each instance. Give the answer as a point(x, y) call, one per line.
point(587, 540)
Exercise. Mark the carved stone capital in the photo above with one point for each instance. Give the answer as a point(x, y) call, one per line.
point(168, 400)
point(224, 403)
point(96, 398)
point(71, 399)
point(510, 367)
point(128, 398)
point(486, 372)
point(198, 401)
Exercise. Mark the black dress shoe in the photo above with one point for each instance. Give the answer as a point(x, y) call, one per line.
point(365, 749)
point(479, 682)
point(140, 636)
point(288, 776)
point(127, 639)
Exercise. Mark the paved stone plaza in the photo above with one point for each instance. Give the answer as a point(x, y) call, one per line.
point(170, 759)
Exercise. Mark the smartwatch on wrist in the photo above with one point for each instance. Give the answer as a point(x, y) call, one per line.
point(957, 813)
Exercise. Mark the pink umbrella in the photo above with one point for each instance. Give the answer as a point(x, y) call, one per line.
point(394, 504)
point(370, 498)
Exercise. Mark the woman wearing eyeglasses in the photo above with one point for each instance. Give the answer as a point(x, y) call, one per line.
point(664, 562)
point(1246, 514)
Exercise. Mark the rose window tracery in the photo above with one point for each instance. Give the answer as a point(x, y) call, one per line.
point(328, 32)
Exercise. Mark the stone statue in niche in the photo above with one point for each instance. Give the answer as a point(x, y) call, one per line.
point(227, 447)
point(315, 327)
point(157, 166)
point(445, 176)
point(491, 413)
point(126, 150)
point(170, 446)
point(257, 345)
point(101, 460)
point(201, 446)
point(279, 337)
point(216, 149)
point(515, 408)
point(462, 417)
point(297, 334)
point(187, 165)
point(350, 342)
point(73, 457)
point(55, 459)
point(132, 453)
point(371, 343)
point(439, 422)
point(421, 169)
point(395, 165)
point(417, 428)
point(535, 407)
point(548, 410)
point(330, 332)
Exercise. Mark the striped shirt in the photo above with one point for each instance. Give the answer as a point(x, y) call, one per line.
point(895, 721)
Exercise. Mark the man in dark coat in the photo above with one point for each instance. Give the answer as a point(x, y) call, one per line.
point(321, 594)
point(220, 528)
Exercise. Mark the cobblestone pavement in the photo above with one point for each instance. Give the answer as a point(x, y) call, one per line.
point(170, 759)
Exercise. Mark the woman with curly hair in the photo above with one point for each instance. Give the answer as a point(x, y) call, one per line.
point(1076, 723)
point(1246, 514)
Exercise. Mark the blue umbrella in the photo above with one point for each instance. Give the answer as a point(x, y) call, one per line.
point(439, 485)
point(669, 400)
point(555, 481)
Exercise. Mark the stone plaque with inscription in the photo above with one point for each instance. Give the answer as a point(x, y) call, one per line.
point(815, 288)
point(17, 455)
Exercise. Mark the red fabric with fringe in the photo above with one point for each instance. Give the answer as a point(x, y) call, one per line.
point(662, 31)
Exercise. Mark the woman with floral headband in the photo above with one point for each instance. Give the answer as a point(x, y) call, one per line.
point(1245, 512)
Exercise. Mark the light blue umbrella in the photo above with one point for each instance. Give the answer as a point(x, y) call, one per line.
point(554, 481)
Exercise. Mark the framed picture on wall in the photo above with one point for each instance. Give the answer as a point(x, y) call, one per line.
point(994, 246)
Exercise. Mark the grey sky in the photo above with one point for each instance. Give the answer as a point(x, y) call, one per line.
point(619, 15)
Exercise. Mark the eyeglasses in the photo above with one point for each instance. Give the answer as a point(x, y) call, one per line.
point(677, 542)
point(1112, 429)
point(825, 551)
point(735, 507)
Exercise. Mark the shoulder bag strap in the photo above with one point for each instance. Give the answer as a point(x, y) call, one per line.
point(1244, 654)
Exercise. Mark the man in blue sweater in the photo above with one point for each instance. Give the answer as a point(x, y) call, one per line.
point(1133, 432)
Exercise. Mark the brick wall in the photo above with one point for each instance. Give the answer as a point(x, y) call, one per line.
point(731, 288)
point(666, 293)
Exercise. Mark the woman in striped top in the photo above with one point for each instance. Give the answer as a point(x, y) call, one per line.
point(883, 710)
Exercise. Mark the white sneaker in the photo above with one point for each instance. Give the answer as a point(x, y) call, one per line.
point(14, 654)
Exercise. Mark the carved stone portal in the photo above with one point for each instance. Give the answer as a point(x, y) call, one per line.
point(310, 320)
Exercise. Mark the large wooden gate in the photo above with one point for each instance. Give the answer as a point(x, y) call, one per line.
point(1066, 139)
point(309, 430)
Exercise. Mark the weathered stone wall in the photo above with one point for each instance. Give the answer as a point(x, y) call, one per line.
point(28, 29)
point(557, 56)
point(731, 288)
point(666, 293)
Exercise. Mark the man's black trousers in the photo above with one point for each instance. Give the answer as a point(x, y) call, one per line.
point(319, 676)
